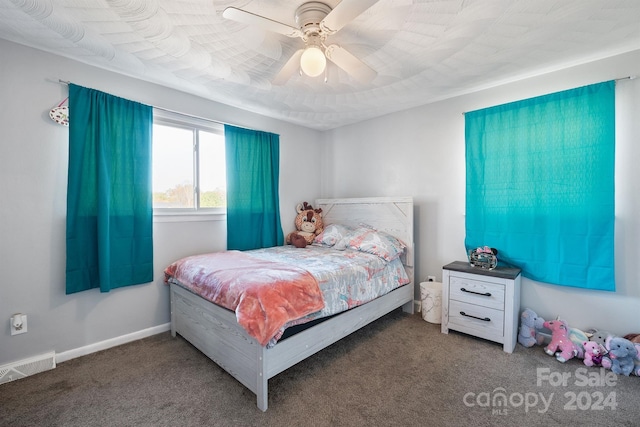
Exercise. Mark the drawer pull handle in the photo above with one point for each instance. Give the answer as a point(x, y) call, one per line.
point(485, 319)
point(484, 294)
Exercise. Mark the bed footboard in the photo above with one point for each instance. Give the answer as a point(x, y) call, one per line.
point(215, 332)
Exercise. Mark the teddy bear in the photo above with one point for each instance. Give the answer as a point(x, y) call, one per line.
point(621, 357)
point(593, 353)
point(530, 323)
point(308, 225)
point(561, 345)
point(599, 336)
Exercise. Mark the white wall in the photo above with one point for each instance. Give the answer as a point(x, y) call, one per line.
point(33, 174)
point(420, 152)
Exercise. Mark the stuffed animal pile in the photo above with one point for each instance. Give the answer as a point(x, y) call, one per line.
point(597, 348)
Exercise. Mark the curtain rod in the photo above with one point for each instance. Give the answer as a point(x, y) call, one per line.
point(65, 82)
point(615, 80)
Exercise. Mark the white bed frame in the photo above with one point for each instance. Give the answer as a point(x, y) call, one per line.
point(215, 331)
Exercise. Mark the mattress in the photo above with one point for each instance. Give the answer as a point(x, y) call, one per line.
point(346, 278)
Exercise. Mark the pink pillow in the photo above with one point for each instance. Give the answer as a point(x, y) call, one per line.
point(332, 234)
point(375, 242)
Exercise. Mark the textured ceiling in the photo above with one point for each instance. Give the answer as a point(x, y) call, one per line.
point(422, 50)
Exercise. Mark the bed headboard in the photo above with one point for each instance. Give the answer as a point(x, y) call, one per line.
point(393, 215)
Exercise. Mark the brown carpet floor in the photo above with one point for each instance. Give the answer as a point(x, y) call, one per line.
point(398, 371)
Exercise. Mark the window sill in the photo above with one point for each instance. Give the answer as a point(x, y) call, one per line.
point(188, 216)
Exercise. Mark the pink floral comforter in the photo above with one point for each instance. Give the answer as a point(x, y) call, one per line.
point(264, 294)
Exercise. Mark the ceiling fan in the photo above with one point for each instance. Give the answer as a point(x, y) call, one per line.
point(316, 22)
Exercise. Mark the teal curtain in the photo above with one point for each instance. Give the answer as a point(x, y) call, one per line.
point(109, 204)
point(540, 185)
point(253, 206)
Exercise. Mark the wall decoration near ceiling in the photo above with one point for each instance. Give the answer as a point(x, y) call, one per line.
point(60, 113)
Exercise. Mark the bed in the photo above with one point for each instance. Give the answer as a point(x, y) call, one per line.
point(216, 332)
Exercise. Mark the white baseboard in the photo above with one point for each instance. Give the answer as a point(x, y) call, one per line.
point(113, 342)
point(417, 306)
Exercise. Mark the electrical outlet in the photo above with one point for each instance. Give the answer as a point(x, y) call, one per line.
point(18, 324)
point(431, 278)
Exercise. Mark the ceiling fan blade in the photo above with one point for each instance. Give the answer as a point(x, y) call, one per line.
point(249, 18)
point(343, 13)
point(292, 65)
point(349, 63)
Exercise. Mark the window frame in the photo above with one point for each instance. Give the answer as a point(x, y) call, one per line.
point(188, 122)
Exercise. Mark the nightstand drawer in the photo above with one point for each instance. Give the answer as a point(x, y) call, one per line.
point(477, 292)
point(474, 319)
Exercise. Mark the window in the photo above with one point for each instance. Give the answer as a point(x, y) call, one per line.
point(189, 173)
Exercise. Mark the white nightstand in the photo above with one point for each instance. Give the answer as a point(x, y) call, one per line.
point(482, 303)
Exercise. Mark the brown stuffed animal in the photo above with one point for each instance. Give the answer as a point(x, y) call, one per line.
point(634, 338)
point(298, 241)
point(308, 225)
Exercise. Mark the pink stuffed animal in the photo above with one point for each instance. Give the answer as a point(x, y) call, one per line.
point(560, 345)
point(593, 353)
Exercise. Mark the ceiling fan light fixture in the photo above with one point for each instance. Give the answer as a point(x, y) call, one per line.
point(313, 61)
point(315, 22)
